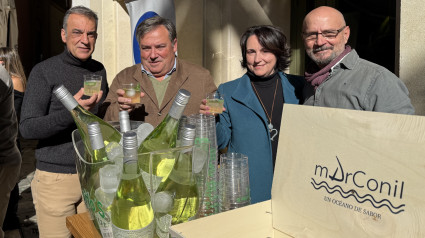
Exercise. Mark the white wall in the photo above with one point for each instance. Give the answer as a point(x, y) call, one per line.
point(113, 45)
point(410, 62)
point(208, 32)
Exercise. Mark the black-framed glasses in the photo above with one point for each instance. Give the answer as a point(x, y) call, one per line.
point(330, 34)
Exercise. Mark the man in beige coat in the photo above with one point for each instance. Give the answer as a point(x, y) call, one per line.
point(161, 74)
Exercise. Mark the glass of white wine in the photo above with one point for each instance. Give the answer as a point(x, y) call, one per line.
point(215, 102)
point(132, 91)
point(92, 83)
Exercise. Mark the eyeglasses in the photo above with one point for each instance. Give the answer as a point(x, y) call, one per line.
point(312, 36)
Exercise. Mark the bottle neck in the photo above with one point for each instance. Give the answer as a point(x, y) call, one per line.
point(69, 102)
point(130, 161)
point(96, 142)
point(125, 125)
point(176, 111)
point(124, 121)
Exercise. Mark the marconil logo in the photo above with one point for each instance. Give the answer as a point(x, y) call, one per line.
point(359, 179)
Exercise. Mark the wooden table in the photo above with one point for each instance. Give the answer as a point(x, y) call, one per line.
point(81, 226)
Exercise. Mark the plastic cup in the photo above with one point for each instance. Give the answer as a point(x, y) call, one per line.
point(206, 145)
point(92, 83)
point(234, 189)
point(132, 91)
point(215, 102)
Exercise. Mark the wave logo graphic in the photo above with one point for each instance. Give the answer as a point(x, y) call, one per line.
point(360, 180)
point(360, 199)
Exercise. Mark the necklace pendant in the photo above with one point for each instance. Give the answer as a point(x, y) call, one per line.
point(273, 134)
point(270, 126)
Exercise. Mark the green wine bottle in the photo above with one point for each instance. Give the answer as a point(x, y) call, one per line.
point(109, 176)
point(177, 198)
point(131, 210)
point(163, 137)
point(82, 117)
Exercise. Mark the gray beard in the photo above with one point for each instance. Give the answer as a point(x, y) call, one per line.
point(322, 62)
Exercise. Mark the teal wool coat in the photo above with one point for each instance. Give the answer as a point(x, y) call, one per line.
point(243, 129)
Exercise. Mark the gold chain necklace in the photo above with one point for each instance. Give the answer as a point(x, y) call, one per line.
point(264, 108)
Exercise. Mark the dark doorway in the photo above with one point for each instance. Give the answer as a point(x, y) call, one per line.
point(39, 24)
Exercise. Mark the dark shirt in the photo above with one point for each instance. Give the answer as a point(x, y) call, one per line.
point(18, 97)
point(266, 88)
point(9, 153)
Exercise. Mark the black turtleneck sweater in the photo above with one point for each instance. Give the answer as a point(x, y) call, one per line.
point(265, 87)
point(43, 116)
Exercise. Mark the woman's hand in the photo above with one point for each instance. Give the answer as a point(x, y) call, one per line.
point(203, 108)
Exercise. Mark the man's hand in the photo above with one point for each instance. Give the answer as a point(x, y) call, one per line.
point(125, 103)
point(88, 103)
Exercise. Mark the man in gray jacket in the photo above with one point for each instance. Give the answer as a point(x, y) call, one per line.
point(10, 157)
point(338, 77)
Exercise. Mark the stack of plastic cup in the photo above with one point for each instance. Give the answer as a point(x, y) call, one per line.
point(234, 189)
point(206, 138)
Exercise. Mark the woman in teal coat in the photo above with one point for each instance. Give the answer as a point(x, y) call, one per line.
point(251, 122)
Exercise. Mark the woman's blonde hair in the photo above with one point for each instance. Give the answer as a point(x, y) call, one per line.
point(13, 64)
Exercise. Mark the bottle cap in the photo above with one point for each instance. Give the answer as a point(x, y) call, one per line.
point(180, 101)
point(95, 135)
point(93, 128)
point(65, 97)
point(130, 140)
point(188, 134)
point(130, 145)
point(124, 118)
point(182, 97)
point(182, 123)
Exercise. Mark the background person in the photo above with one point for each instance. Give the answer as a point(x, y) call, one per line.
point(251, 122)
point(10, 157)
point(11, 61)
point(161, 74)
point(55, 188)
point(338, 77)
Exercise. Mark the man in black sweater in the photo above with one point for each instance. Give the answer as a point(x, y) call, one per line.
point(55, 188)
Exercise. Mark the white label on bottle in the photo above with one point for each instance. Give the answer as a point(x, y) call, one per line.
point(145, 232)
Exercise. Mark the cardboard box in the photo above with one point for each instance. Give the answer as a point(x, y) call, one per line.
point(339, 173)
